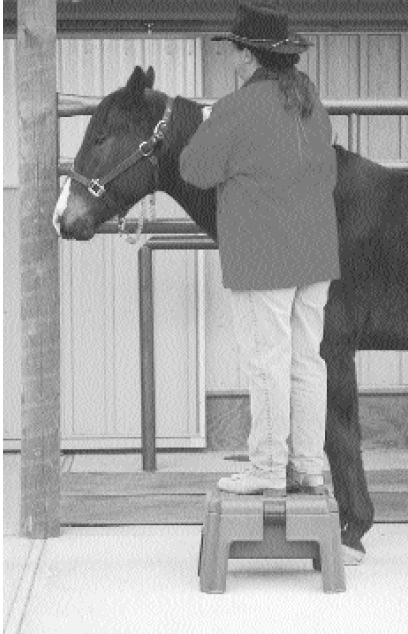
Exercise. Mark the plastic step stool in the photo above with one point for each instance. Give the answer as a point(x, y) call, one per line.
point(258, 527)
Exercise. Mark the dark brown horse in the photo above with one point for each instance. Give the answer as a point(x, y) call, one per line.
point(367, 309)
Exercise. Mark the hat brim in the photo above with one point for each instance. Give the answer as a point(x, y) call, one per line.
point(294, 44)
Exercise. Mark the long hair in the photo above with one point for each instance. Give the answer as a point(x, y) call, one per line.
point(295, 87)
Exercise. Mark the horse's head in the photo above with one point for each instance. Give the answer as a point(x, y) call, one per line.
point(122, 123)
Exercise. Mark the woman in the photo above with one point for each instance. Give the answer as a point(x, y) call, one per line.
point(267, 148)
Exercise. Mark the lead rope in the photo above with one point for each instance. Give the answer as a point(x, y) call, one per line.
point(123, 232)
point(147, 211)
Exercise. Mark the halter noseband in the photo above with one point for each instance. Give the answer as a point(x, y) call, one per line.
point(96, 186)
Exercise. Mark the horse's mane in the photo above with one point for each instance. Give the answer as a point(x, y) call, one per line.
point(187, 116)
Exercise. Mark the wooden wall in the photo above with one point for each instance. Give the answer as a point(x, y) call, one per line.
point(99, 281)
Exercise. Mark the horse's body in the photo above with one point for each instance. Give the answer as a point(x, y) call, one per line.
point(366, 309)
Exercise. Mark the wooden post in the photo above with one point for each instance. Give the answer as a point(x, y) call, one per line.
point(40, 312)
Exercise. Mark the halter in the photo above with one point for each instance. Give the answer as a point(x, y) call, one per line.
point(96, 186)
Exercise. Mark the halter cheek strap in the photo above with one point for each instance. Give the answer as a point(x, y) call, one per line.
point(96, 186)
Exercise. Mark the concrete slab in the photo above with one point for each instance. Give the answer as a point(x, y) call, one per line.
point(144, 579)
point(21, 558)
point(15, 554)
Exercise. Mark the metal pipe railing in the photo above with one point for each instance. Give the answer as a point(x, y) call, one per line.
point(74, 105)
point(146, 335)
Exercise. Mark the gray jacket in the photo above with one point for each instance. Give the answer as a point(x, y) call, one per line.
point(275, 177)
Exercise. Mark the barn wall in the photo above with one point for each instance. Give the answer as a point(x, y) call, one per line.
point(11, 315)
point(11, 251)
point(99, 281)
point(100, 367)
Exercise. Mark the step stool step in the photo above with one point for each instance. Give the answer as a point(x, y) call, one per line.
point(259, 527)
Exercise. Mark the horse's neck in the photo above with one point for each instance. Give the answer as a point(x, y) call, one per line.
point(199, 204)
point(186, 118)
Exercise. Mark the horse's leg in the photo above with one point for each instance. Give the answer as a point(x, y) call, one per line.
point(343, 435)
point(343, 447)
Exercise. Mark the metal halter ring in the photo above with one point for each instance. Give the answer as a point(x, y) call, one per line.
point(144, 152)
point(95, 188)
point(157, 132)
point(121, 225)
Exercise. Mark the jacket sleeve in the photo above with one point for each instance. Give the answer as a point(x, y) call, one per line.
point(204, 161)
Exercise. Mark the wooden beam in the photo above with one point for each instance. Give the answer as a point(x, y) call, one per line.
point(40, 308)
point(205, 16)
point(92, 499)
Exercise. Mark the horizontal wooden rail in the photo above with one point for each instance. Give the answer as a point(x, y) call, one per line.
point(74, 105)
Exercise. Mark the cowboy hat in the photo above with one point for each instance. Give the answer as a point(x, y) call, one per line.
point(259, 26)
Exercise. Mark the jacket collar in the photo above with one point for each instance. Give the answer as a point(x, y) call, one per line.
point(261, 74)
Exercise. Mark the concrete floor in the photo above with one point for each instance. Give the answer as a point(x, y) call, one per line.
point(143, 579)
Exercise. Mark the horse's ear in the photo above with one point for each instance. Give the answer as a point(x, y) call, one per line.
point(136, 84)
point(150, 77)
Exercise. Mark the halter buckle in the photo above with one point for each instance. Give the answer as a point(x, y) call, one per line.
point(158, 133)
point(95, 188)
point(144, 152)
point(121, 224)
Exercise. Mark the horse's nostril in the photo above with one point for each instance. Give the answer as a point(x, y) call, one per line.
point(80, 229)
point(62, 229)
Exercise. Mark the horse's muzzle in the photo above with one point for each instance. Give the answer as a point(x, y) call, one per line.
point(82, 229)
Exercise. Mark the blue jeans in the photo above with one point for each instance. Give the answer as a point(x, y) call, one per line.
point(279, 334)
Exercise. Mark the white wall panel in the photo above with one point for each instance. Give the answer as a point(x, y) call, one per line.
point(100, 298)
point(99, 280)
point(404, 369)
point(10, 129)
point(11, 253)
point(11, 315)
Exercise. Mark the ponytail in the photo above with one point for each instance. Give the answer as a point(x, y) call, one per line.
point(295, 87)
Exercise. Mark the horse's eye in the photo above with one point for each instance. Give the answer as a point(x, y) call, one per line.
point(100, 139)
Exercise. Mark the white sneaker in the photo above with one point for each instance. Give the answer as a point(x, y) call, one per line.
point(253, 481)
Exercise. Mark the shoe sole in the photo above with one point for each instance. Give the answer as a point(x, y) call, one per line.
point(304, 489)
point(255, 491)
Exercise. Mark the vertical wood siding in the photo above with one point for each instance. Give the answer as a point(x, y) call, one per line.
point(11, 315)
point(99, 280)
point(11, 253)
point(100, 294)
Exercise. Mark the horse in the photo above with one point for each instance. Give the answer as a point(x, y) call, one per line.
point(366, 308)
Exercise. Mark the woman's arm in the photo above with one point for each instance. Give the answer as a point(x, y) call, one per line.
point(204, 160)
